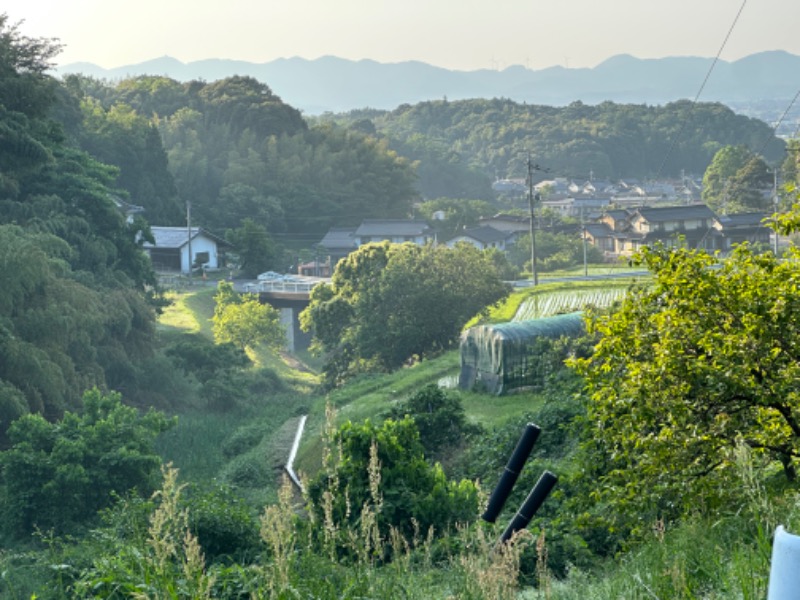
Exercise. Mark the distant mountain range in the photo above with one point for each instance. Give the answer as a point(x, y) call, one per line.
point(331, 84)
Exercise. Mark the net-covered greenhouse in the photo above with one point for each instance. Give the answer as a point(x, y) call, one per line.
point(505, 357)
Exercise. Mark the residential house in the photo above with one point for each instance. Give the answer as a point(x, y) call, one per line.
point(743, 227)
point(171, 250)
point(396, 231)
point(336, 245)
point(622, 232)
point(513, 224)
point(482, 237)
point(127, 209)
point(577, 207)
point(341, 241)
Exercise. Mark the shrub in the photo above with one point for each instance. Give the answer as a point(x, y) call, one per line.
point(222, 522)
point(58, 475)
point(243, 439)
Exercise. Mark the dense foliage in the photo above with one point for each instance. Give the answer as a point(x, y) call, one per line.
point(58, 475)
point(243, 320)
point(489, 139)
point(73, 310)
point(737, 180)
point(703, 359)
point(383, 467)
point(237, 151)
point(391, 303)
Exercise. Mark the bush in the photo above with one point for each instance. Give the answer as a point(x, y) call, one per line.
point(248, 471)
point(243, 439)
point(440, 419)
point(223, 523)
point(58, 475)
point(383, 467)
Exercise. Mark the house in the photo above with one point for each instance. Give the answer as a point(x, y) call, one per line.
point(622, 232)
point(128, 210)
point(396, 231)
point(576, 207)
point(171, 249)
point(743, 227)
point(337, 244)
point(482, 237)
point(504, 222)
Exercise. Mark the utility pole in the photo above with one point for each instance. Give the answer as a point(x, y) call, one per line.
point(583, 228)
point(775, 202)
point(534, 274)
point(189, 235)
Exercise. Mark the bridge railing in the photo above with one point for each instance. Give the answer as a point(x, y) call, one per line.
point(281, 286)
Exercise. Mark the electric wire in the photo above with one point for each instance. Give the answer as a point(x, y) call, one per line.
point(676, 139)
point(778, 124)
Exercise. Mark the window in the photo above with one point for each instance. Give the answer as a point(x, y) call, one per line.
point(201, 258)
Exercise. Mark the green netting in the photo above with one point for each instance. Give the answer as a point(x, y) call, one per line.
point(504, 357)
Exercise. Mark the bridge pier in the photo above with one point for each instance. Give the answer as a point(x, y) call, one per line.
point(290, 298)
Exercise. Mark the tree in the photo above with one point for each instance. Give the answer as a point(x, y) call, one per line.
point(256, 250)
point(735, 181)
point(703, 359)
point(390, 303)
point(57, 475)
point(244, 321)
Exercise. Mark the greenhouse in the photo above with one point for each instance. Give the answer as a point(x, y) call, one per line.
point(505, 357)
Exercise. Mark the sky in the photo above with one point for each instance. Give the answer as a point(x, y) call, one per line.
point(455, 34)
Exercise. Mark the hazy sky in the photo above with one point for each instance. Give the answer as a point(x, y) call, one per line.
point(463, 34)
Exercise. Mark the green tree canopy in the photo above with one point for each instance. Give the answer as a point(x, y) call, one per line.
point(736, 181)
point(57, 475)
point(244, 321)
point(704, 358)
point(389, 303)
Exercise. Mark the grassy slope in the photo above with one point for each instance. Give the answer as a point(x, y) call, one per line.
point(195, 444)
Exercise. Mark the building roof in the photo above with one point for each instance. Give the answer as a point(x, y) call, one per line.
point(392, 228)
point(339, 237)
point(483, 234)
point(753, 219)
point(178, 237)
point(599, 230)
point(675, 213)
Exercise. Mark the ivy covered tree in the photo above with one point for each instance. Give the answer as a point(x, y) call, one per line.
point(703, 359)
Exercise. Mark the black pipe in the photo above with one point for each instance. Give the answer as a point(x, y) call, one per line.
point(531, 505)
point(513, 469)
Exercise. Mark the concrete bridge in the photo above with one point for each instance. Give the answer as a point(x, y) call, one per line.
point(290, 294)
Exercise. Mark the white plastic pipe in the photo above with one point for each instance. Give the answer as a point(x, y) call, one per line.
point(784, 574)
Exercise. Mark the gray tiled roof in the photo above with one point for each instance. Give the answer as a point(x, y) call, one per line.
point(391, 228)
point(484, 234)
point(177, 237)
point(743, 220)
point(676, 213)
point(339, 237)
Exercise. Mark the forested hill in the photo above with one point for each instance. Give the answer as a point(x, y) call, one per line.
point(236, 151)
point(462, 146)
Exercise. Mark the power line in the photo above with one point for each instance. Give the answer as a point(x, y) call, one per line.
point(702, 87)
point(778, 124)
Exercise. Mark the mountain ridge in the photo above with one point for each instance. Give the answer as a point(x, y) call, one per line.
point(333, 84)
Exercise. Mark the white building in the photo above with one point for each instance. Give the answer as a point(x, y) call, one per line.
point(171, 249)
